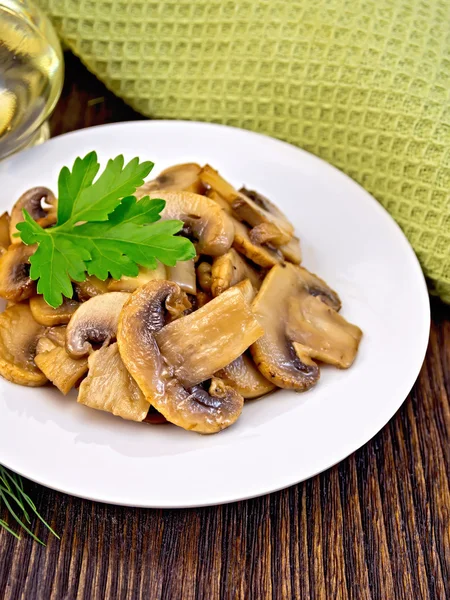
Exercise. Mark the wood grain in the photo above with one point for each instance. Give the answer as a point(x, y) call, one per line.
point(377, 526)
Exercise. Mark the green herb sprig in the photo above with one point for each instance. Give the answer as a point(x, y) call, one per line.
point(19, 504)
point(101, 229)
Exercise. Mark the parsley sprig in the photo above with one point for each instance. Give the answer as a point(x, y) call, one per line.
point(101, 229)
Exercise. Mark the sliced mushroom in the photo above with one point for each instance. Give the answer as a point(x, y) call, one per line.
point(204, 275)
point(129, 284)
point(219, 200)
point(91, 287)
point(179, 178)
point(111, 388)
point(243, 376)
point(317, 287)
point(246, 289)
point(45, 314)
point(202, 298)
point(15, 282)
point(95, 322)
point(5, 240)
point(257, 253)
point(292, 251)
point(203, 220)
point(282, 354)
point(32, 201)
point(183, 273)
point(196, 408)
point(229, 269)
point(320, 332)
point(199, 344)
point(244, 208)
point(268, 233)
point(59, 368)
point(264, 203)
point(19, 334)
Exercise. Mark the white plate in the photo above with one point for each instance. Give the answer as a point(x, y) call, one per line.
point(347, 238)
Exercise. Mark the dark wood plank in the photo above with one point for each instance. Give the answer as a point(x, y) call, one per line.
point(377, 526)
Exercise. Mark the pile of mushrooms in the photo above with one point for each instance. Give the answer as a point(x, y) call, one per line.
point(185, 344)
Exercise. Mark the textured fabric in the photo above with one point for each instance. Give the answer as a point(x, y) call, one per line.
point(365, 84)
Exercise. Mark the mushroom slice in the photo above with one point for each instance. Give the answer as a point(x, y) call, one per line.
point(292, 251)
point(203, 219)
point(179, 178)
point(273, 353)
point(111, 388)
point(19, 334)
point(243, 206)
point(59, 368)
point(95, 322)
point(31, 201)
point(129, 284)
point(183, 273)
point(261, 255)
point(268, 233)
point(15, 282)
point(243, 376)
point(204, 409)
point(90, 287)
point(282, 354)
point(219, 200)
point(5, 240)
point(320, 332)
point(229, 269)
point(199, 344)
point(317, 287)
point(204, 274)
point(264, 203)
point(45, 314)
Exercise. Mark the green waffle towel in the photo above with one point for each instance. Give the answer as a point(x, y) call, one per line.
point(364, 84)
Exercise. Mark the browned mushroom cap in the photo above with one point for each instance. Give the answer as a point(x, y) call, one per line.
point(59, 368)
point(318, 287)
point(111, 388)
point(19, 334)
point(273, 353)
point(243, 376)
point(32, 201)
point(206, 409)
point(179, 178)
point(15, 282)
point(203, 220)
point(90, 287)
point(264, 203)
point(257, 253)
point(95, 322)
point(5, 240)
point(244, 208)
point(49, 316)
point(282, 354)
point(229, 269)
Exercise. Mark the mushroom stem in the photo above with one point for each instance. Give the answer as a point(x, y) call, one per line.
point(199, 344)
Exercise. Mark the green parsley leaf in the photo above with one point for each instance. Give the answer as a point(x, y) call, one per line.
point(82, 199)
point(99, 231)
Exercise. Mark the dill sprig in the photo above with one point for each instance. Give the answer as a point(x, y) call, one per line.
point(19, 504)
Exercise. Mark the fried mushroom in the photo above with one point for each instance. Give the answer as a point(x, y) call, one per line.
point(32, 201)
point(229, 269)
point(19, 334)
point(179, 178)
point(205, 408)
point(46, 315)
point(95, 322)
point(243, 376)
point(15, 282)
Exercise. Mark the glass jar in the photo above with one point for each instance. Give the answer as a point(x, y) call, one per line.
point(31, 75)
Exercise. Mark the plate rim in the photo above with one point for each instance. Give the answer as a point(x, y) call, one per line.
point(419, 277)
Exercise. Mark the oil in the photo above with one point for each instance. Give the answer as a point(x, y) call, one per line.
point(31, 74)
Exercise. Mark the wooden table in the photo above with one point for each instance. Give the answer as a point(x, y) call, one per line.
point(375, 526)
